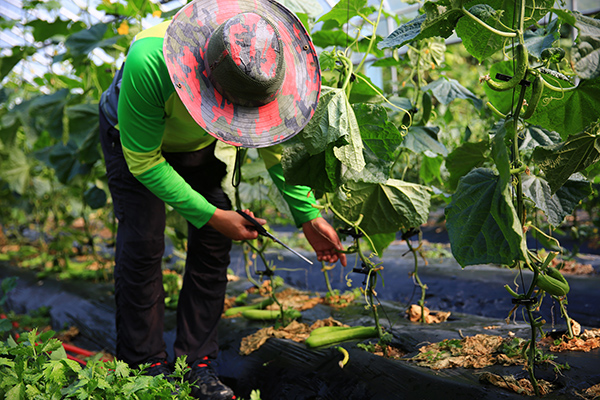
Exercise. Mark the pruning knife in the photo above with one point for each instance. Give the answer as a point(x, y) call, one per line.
point(262, 231)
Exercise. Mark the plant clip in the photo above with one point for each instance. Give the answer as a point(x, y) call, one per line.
point(267, 272)
point(362, 270)
point(410, 233)
point(524, 301)
point(351, 232)
point(506, 78)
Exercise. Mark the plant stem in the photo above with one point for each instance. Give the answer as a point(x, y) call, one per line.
point(327, 282)
point(486, 26)
point(415, 274)
point(373, 36)
point(531, 357)
point(563, 311)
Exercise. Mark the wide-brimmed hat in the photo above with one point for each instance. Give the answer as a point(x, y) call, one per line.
point(246, 70)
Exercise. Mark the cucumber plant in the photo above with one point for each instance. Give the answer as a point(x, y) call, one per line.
point(539, 156)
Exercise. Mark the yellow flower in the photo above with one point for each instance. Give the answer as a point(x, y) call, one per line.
point(157, 13)
point(123, 28)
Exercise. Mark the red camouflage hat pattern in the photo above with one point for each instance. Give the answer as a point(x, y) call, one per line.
point(286, 112)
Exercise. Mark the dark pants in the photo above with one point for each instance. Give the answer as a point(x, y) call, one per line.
point(139, 292)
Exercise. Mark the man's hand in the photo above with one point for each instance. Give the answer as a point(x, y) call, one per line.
point(233, 225)
point(324, 240)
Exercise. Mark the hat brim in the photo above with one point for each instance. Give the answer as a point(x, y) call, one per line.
point(238, 125)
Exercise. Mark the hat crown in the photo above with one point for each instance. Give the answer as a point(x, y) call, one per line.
point(244, 60)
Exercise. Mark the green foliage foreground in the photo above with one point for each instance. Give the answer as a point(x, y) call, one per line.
point(36, 367)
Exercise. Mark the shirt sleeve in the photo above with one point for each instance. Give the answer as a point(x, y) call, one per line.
point(300, 198)
point(145, 88)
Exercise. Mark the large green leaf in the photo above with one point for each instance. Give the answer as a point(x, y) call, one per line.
point(561, 161)
point(585, 55)
point(16, 170)
point(44, 30)
point(320, 171)
point(332, 122)
point(65, 161)
point(569, 112)
point(381, 139)
point(95, 197)
point(534, 136)
point(378, 133)
point(386, 207)
point(327, 38)
point(83, 130)
point(482, 222)
point(83, 42)
point(420, 139)
point(556, 206)
point(445, 90)
point(9, 126)
point(438, 19)
point(7, 63)
point(47, 112)
point(542, 38)
point(312, 8)
point(565, 112)
point(464, 158)
point(430, 170)
point(406, 33)
point(362, 92)
point(480, 42)
point(344, 10)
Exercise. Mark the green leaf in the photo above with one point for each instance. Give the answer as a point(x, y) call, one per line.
point(561, 161)
point(312, 8)
point(16, 393)
point(325, 39)
point(482, 43)
point(482, 222)
point(420, 139)
point(442, 17)
point(47, 112)
point(84, 131)
point(464, 158)
point(64, 159)
point(439, 18)
point(7, 63)
point(585, 55)
point(362, 92)
point(386, 207)
point(320, 171)
point(405, 34)
point(331, 122)
point(571, 111)
point(83, 42)
point(95, 197)
point(380, 241)
point(534, 136)
point(563, 202)
point(380, 138)
point(445, 90)
point(344, 10)
point(542, 38)
point(431, 168)
point(44, 30)
point(378, 133)
point(15, 171)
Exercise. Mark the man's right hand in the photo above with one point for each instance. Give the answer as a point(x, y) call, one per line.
point(233, 225)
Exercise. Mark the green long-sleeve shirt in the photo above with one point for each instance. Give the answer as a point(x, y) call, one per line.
point(152, 119)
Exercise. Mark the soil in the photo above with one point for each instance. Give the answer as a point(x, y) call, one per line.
point(284, 369)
